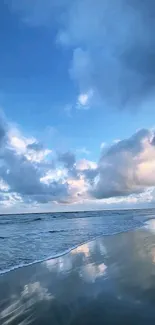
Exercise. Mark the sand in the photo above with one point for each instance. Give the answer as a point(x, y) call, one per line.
point(110, 280)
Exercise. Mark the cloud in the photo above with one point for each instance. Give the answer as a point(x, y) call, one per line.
point(29, 175)
point(85, 164)
point(103, 144)
point(83, 151)
point(112, 44)
point(35, 146)
point(68, 159)
point(116, 140)
point(126, 167)
point(113, 48)
point(23, 177)
point(21, 173)
point(32, 149)
point(84, 100)
point(23, 301)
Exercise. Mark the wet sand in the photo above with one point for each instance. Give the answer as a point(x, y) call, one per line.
point(110, 280)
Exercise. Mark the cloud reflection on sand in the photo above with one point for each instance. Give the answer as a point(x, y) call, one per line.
point(112, 273)
point(91, 272)
point(22, 305)
point(85, 249)
point(79, 255)
point(60, 265)
point(150, 225)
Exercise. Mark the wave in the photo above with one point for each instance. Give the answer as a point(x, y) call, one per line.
point(56, 231)
point(37, 219)
point(11, 222)
point(65, 251)
point(41, 232)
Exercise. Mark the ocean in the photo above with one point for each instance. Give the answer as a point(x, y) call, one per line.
point(26, 239)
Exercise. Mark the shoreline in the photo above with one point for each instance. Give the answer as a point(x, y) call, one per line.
point(83, 286)
point(16, 267)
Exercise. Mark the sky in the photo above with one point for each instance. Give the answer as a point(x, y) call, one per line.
point(77, 96)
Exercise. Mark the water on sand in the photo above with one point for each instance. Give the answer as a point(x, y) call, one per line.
point(110, 280)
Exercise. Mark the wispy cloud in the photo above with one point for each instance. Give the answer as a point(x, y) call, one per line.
point(112, 48)
point(83, 151)
point(103, 145)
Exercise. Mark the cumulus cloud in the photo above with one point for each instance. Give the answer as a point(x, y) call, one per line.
point(21, 175)
point(32, 149)
point(125, 171)
point(112, 44)
point(126, 167)
point(85, 164)
point(30, 175)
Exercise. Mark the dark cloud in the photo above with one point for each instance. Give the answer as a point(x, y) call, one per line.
point(89, 174)
point(24, 178)
point(36, 146)
point(133, 145)
point(68, 159)
point(153, 141)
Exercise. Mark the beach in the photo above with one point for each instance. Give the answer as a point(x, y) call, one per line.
point(109, 280)
point(77, 162)
point(52, 234)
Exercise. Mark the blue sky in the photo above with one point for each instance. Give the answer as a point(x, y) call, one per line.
point(77, 78)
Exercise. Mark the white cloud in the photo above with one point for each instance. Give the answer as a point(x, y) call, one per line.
point(85, 164)
point(35, 292)
point(22, 164)
point(55, 174)
point(28, 177)
point(126, 167)
point(124, 174)
point(3, 186)
point(31, 149)
point(116, 140)
point(78, 190)
point(103, 144)
point(17, 140)
point(37, 156)
point(90, 272)
point(84, 100)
